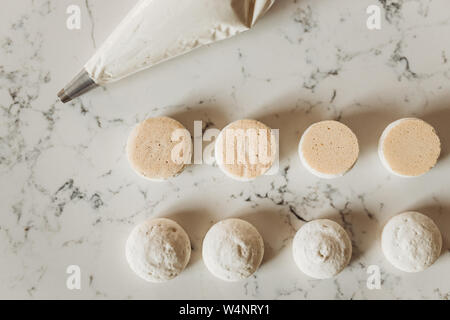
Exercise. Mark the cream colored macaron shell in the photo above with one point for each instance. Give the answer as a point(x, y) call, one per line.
point(158, 250)
point(159, 148)
point(328, 149)
point(322, 249)
point(233, 249)
point(245, 149)
point(409, 147)
point(411, 241)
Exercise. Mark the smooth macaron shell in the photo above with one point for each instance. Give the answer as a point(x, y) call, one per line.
point(247, 170)
point(409, 147)
point(159, 148)
point(328, 149)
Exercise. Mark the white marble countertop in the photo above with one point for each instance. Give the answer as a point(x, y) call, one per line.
point(68, 196)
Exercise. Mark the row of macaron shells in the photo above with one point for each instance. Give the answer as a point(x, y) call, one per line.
point(408, 147)
point(159, 249)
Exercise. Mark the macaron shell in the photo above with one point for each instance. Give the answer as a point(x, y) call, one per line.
point(151, 145)
point(233, 250)
point(322, 249)
point(409, 147)
point(246, 170)
point(411, 241)
point(328, 149)
point(158, 250)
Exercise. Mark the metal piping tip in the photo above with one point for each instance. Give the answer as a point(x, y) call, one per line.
point(63, 96)
point(81, 84)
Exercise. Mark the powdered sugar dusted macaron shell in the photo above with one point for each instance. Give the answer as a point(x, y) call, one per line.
point(409, 147)
point(159, 148)
point(233, 249)
point(328, 149)
point(158, 250)
point(411, 241)
point(322, 249)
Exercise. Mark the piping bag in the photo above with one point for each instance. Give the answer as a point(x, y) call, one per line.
point(158, 30)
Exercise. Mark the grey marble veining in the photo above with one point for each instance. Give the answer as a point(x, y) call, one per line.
point(68, 196)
